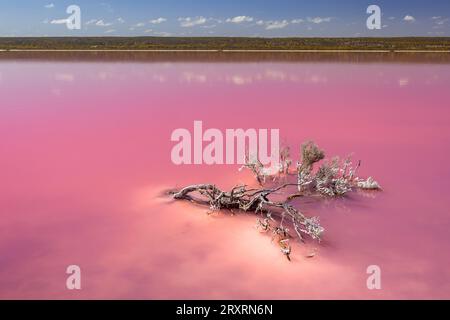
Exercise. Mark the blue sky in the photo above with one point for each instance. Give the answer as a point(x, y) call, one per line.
point(268, 18)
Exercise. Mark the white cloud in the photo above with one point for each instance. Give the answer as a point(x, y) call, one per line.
point(440, 21)
point(91, 22)
point(271, 25)
point(260, 22)
point(436, 18)
point(240, 19)
point(318, 20)
point(297, 21)
point(409, 18)
point(110, 31)
point(148, 31)
point(210, 26)
point(158, 21)
point(101, 23)
point(163, 34)
point(191, 22)
point(139, 25)
point(49, 6)
point(120, 20)
point(59, 21)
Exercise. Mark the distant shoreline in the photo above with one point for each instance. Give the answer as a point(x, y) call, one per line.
point(226, 44)
point(225, 51)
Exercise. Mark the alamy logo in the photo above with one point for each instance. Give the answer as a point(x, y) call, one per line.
point(374, 280)
point(74, 20)
point(374, 20)
point(73, 281)
point(235, 146)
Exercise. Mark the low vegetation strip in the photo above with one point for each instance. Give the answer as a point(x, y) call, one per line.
point(225, 43)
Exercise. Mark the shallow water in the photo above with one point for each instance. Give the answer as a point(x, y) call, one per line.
point(85, 157)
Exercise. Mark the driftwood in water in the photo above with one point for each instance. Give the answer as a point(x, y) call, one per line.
point(331, 179)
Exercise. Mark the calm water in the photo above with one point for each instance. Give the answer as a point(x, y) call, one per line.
point(85, 155)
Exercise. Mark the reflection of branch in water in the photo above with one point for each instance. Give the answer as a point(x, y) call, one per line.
point(331, 179)
point(256, 200)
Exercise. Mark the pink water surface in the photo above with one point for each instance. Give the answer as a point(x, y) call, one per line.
point(85, 155)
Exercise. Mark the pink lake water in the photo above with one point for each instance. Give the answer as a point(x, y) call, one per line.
point(85, 156)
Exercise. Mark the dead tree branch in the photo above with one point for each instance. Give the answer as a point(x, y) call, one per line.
point(332, 178)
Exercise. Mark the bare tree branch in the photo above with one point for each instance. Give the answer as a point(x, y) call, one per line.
point(332, 178)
